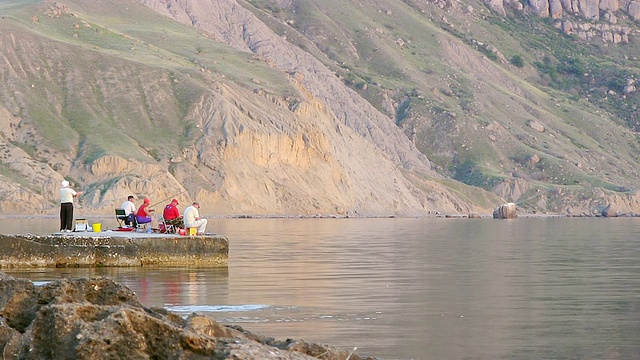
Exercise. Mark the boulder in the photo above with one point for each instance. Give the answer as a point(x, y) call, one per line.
point(555, 9)
point(100, 319)
point(540, 7)
point(497, 6)
point(536, 126)
point(634, 10)
point(589, 9)
point(628, 89)
point(505, 211)
point(609, 5)
point(609, 211)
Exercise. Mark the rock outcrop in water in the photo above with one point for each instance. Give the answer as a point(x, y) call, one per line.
point(100, 319)
point(505, 211)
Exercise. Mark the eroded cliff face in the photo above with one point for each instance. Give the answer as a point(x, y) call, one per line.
point(578, 16)
point(116, 127)
point(588, 9)
point(261, 158)
point(230, 23)
point(337, 115)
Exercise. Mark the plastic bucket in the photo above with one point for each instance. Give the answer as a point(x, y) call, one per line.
point(96, 227)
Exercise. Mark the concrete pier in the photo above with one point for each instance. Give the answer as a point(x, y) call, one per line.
point(112, 248)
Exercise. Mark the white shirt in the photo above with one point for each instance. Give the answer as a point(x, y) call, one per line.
point(128, 207)
point(190, 215)
point(66, 195)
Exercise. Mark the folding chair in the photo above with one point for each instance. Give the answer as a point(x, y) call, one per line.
point(164, 226)
point(133, 220)
point(121, 216)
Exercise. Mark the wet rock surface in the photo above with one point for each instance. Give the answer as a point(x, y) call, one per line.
point(505, 211)
point(100, 319)
point(112, 249)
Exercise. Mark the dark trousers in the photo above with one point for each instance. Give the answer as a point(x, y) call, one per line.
point(177, 222)
point(66, 216)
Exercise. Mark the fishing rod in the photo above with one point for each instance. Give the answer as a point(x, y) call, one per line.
point(170, 197)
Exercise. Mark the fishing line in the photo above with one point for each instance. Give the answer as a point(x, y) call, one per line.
point(170, 197)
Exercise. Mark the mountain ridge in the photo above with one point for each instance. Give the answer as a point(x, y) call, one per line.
point(234, 114)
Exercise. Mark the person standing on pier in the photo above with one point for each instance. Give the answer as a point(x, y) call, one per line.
point(66, 206)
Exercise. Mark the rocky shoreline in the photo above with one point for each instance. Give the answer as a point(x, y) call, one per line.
point(100, 319)
point(435, 215)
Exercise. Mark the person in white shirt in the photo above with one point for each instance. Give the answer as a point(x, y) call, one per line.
point(128, 207)
point(192, 218)
point(66, 206)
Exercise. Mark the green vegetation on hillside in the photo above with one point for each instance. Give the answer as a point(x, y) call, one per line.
point(491, 101)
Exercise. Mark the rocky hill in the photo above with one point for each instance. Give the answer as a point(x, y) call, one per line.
point(302, 107)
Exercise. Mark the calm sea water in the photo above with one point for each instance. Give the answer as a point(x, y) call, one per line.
point(531, 288)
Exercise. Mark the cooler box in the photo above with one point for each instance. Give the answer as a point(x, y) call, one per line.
point(82, 225)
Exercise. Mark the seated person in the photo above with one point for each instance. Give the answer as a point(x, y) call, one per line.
point(144, 213)
point(128, 207)
point(171, 214)
point(192, 218)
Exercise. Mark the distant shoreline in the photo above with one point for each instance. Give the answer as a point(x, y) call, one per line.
point(429, 216)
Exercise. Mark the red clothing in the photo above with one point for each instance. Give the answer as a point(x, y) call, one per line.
point(170, 212)
point(142, 210)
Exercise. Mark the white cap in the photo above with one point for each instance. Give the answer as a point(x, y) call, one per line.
point(65, 183)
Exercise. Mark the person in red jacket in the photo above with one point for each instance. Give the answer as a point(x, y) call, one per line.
point(171, 214)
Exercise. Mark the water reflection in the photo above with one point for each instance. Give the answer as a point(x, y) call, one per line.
point(417, 288)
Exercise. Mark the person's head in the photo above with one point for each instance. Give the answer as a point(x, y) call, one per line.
point(147, 201)
point(130, 198)
point(196, 205)
point(65, 183)
point(174, 202)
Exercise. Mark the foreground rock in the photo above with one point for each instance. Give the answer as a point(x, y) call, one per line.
point(99, 319)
